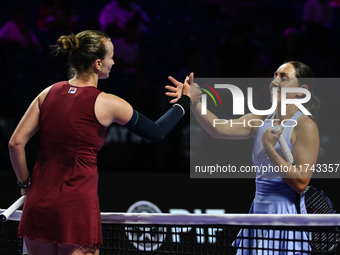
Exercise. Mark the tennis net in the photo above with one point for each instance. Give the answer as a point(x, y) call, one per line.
point(162, 233)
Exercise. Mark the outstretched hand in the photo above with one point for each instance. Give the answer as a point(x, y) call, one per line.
point(176, 91)
point(180, 88)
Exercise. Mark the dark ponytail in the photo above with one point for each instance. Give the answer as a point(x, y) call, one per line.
point(306, 76)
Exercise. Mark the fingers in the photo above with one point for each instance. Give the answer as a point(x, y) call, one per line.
point(171, 88)
point(171, 94)
point(174, 92)
point(174, 100)
point(187, 80)
point(269, 139)
point(179, 89)
point(277, 130)
point(191, 77)
point(174, 81)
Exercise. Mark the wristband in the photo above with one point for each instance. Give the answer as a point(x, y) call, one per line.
point(184, 102)
point(26, 184)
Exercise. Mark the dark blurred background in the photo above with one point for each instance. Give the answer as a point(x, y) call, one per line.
point(154, 39)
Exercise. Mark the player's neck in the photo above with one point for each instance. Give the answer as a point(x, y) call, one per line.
point(290, 111)
point(84, 80)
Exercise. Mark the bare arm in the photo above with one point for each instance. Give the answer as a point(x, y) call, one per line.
point(305, 152)
point(227, 131)
point(110, 108)
point(27, 127)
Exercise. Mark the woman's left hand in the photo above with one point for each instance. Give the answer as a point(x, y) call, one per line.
point(269, 139)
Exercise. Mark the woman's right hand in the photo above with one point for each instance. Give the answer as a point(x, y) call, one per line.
point(187, 85)
point(188, 88)
point(193, 88)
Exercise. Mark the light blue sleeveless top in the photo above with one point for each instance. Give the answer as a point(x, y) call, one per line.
point(272, 195)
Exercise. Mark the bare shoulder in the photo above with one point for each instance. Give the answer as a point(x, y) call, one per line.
point(108, 98)
point(41, 97)
point(306, 129)
point(306, 124)
point(111, 108)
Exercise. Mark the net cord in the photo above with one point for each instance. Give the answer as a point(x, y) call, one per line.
point(216, 219)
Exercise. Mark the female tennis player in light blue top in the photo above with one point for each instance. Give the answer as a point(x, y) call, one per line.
point(275, 191)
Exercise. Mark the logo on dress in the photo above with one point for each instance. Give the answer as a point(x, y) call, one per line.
point(72, 90)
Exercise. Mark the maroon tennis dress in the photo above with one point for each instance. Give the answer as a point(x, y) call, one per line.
point(62, 203)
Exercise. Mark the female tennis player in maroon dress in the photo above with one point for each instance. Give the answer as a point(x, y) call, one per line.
point(61, 214)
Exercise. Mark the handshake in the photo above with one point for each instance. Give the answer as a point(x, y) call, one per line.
point(188, 88)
